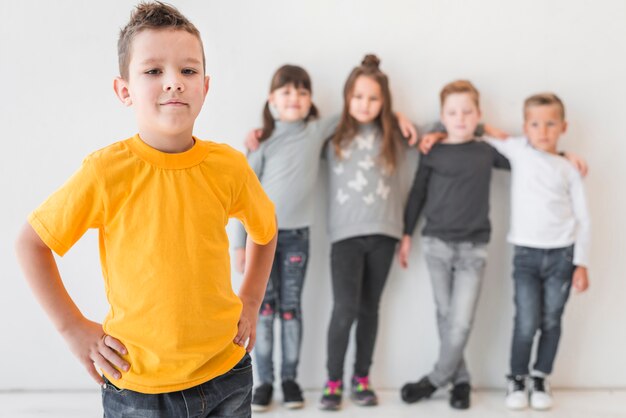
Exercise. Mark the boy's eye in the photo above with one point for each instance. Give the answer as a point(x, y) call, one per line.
point(153, 71)
point(189, 71)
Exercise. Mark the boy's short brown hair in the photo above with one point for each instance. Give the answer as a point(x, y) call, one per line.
point(460, 86)
point(151, 15)
point(545, 99)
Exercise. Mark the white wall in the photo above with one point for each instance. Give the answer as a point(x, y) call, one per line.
point(58, 60)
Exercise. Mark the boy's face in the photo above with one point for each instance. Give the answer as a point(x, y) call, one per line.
point(543, 125)
point(166, 83)
point(292, 103)
point(460, 116)
point(366, 101)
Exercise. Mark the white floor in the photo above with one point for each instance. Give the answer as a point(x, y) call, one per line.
point(485, 404)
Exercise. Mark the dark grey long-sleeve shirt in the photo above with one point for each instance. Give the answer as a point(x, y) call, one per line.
point(452, 186)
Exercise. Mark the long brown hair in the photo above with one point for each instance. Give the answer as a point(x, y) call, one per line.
point(386, 120)
point(287, 74)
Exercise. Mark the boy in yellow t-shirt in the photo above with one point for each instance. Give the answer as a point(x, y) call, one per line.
point(175, 338)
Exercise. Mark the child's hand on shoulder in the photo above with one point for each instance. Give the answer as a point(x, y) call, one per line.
point(580, 279)
point(252, 139)
point(578, 162)
point(494, 132)
point(429, 140)
point(96, 350)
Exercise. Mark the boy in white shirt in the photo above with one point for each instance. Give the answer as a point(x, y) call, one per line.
point(550, 231)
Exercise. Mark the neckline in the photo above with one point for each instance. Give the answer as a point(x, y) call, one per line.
point(193, 156)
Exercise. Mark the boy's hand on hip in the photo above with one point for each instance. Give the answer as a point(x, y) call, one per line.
point(580, 279)
point(97, 350)
point(246, 328)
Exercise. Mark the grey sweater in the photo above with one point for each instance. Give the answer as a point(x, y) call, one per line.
point(287, 164)
point(363, 197)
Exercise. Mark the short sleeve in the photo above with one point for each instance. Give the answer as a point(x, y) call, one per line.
point(69, 212)
point(254, 209)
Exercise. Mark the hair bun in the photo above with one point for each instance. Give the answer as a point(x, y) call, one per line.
point(370, 61)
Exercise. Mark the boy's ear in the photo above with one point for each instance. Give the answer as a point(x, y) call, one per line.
point(564, 127)
point(120, 86)
point(207, 80)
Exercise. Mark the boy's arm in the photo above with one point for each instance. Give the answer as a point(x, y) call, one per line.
point(582, 245)
point(436, 132)
point(414, 205)
point(86, 338)
point(258, 264)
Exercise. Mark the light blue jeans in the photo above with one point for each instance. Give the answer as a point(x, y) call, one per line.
point(456, 271)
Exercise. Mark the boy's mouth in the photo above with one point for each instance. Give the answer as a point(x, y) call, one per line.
point(174, 102)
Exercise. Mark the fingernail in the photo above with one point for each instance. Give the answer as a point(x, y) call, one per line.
point(126, 367)
point(117, 375)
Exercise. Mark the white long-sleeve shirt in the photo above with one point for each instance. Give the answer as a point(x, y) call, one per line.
point(548, 205)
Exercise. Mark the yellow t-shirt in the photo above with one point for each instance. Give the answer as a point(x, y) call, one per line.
point(164, 252)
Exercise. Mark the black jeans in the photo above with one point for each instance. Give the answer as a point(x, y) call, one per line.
point(543, 279)
point(359, 269)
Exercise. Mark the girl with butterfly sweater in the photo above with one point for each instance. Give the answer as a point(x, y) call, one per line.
point(368, 185)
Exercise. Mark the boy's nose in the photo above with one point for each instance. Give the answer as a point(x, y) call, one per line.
point(174, 85)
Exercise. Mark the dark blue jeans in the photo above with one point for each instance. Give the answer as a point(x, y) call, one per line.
point(360, 267)
point(543, 278)
point(283, 298)
point(228, 395)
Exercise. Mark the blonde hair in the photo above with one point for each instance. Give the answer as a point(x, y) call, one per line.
point(460, 86)
point(544, 99)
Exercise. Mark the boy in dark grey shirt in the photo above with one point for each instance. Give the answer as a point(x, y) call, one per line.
point(452, 186)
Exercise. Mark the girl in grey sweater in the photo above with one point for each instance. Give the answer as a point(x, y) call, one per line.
point(368, 185)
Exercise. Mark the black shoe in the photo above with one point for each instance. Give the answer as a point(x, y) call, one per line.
point(413, 392)
point(262, 397)
point(292, 395)
point(331, 396)
point(460, 396)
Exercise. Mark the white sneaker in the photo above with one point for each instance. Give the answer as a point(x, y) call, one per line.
point(540, 394)
point(516, 394)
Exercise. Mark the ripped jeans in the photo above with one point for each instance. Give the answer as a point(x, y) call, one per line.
point(282, 299)
point(543, 278)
